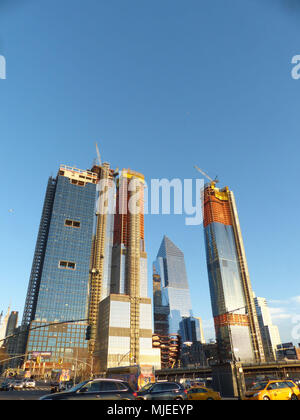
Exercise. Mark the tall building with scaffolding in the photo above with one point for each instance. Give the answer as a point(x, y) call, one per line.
point(59, 282)
point(124, 329)
point(235, 318)
point(101, 257)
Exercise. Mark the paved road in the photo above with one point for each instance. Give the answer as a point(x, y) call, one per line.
point(26, 394)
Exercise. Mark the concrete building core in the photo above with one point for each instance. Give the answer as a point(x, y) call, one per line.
point(124, 329)
point(113, 346)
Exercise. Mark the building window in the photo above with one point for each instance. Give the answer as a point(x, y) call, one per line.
point(76, 182)
point(72, 223)
point(52, 342)
point(67, 265)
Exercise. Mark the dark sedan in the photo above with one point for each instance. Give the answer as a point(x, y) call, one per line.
point(162, 391)
point(96, 389)
point(6, 386)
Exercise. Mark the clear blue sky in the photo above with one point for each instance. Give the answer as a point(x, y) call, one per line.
point(161, 85)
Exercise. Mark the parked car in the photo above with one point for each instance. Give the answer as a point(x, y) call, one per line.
point(297, 382)
point(19, 384)
point(96, 389)
point(65, 386)
point(29, 383)
point(162, 391)
point(6, 385)
point(61, 386)
point(54, 387)
point(203, 393)
point(273, 390)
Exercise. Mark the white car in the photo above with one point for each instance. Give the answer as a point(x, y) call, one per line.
point(18, 384)
point(29, 383)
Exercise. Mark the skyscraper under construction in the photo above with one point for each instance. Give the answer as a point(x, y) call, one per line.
point(101, 258)
point(91, 271)
point(235, 317)
point(124, 329)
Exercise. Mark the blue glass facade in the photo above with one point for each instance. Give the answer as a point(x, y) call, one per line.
point(223, 269)
point(170, 266)
point(226, 289)
point(190, 330)
point(64, 281)
point(64, 292)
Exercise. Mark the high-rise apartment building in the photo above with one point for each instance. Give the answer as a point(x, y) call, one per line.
point(12, 323)
point(11, 340)
point(192, 336)
point(124, 330)
point(235, 317)
point(3, 326)
point(170, 275)
point(269, 332)
point(91, 270)
point(191, 330)
point(59, 283)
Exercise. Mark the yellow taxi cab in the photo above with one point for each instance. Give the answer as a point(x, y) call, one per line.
point(202, 393)
point(273, 390)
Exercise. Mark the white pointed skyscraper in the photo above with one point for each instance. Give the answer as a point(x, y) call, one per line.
point(269, 332)
point(3, 325)
point(171, 270)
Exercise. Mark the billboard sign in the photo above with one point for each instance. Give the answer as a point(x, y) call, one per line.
point(44, 355)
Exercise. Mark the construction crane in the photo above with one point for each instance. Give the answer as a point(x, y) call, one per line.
point(213, 181)
point(116, 172)
point(98, 154)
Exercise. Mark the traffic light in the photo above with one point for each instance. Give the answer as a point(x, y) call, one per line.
point(88, 332)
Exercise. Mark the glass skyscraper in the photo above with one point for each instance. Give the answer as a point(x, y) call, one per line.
point(235, 318)
point(169, 269)
point(191, 330)
point(59, 282)
point(269, 332)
